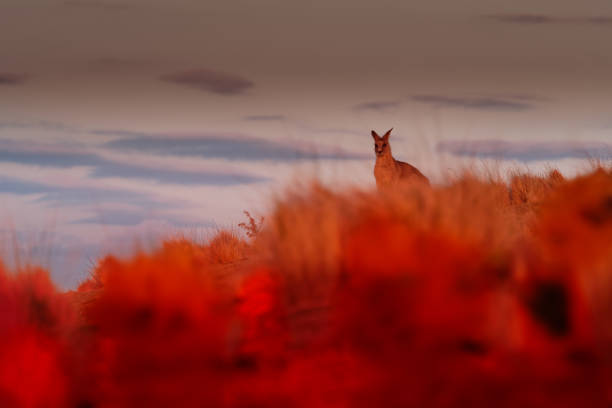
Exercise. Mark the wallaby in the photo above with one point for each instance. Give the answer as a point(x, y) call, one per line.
point(391, 173)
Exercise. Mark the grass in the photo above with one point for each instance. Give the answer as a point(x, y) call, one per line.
point(478, 292)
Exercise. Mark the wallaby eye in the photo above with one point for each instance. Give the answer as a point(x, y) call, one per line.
point(384, 145)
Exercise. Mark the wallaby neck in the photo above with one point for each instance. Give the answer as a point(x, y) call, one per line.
point(385, 158)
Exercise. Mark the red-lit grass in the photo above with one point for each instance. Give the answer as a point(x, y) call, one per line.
point(477, 293)
point(36, 324)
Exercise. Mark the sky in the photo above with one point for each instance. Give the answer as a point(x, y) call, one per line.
point(122, 121)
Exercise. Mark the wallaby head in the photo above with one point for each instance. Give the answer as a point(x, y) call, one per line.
point(381, 144)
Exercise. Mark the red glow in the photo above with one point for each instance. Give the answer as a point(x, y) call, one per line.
point(416, 314)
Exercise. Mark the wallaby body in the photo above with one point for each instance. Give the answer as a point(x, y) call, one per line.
point(391, 173)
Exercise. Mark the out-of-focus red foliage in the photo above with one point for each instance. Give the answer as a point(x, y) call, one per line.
point(160, 329)
point(474, 294)
point(35, 325)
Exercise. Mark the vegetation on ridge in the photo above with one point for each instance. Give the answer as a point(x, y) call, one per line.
point(475, 293)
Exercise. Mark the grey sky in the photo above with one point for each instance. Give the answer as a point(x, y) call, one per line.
point(123, 117)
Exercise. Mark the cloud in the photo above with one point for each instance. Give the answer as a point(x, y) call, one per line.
point(526, 151)
point(377, 105)
point(474, 102)
point(211, 81)
point(119, 132)
point(122, 170)
point(509, 102)
point(50, 158)
point(264, 118)
point(139, 207)
point(523, 18)
point(47, 125)
point(603, 20)
point(8, 78)
point(62, 157)
point(534, 19)
point(59, 195)
point(113, 217)
point(134, 217)
point(521, 97)
point(98, 4)
point(15, 186)
point(227, 146)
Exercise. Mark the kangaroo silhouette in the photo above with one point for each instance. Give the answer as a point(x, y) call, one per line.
point(391, 173)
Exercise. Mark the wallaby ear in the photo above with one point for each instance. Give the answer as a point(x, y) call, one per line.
point(375, 135)
point(386, 136)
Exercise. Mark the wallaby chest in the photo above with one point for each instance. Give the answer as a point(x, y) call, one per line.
point(386, 171)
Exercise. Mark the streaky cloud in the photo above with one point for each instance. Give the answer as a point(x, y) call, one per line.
point(60, 157)
point(208, 80)
point(51, 158)
point(46, 125)
point(526, 151)
point(124, 217)
point(135, 217)
point(9, 78)
point(59, 195)
point(213, 178)
point(546, 19)
point(98, 5)
point(228, 146)
point(474, 102)
point(113, 217)
point(264, 118)
point(143, 206)
point(378, 106)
